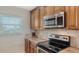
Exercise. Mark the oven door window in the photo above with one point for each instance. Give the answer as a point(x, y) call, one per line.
point(60, 20)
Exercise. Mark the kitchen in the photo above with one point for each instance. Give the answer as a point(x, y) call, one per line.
point(42, 30)
point(45, 29)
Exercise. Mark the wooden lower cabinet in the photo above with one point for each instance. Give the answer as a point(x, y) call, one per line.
point(26, 46)
point(30, 47)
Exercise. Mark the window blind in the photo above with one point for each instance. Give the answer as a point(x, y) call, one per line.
point(10, 24)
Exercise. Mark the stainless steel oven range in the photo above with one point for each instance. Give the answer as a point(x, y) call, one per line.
point(55, 44)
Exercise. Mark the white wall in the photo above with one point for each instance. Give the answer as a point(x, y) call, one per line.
point(74, 34)
point(14, 43)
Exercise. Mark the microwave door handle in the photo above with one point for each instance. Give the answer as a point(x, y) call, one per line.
point(56, 21)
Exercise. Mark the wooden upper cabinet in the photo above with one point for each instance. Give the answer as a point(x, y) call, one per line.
point(42, 14)
point(72, 20)
point(42, 11)
point(70, 17)
point(59, 9)
point(32, 19)
point(77, 17)
point(67, 14)
point(49, 10)
point(37, 18)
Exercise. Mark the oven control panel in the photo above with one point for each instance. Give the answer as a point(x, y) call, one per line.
point(59, 37)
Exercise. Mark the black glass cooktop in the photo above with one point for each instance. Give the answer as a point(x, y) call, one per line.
point(52, 48)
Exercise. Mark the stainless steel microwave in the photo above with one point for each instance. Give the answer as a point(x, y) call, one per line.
point(54, 21)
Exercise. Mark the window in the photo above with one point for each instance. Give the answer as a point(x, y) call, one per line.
point(10, 24)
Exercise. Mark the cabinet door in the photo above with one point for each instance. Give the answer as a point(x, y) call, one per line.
point(37, 19)
point(33, 48)
point(49, 10)
point(67, 13)
point(26, 45)
point(77, 17)
point(52, 9)
point(42, 14)
point(59, 9)
point(70, 17)
point(32, 20)
point(30, 47)
point(72, 20)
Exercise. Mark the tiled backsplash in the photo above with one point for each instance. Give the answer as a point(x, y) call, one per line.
point(74, 34)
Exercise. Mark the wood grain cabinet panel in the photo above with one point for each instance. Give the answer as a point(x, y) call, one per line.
point(37, 19)
point(70, 17)
point(59, 9)
point(67, 13)
point(30, 47)
point(49, 10)
point(32, 19)
point(42, 14)
point(77, 17)
point(27, 47)
point(72, 20)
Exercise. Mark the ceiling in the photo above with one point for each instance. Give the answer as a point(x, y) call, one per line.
point(29, 8)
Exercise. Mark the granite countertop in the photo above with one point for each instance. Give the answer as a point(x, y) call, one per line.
point(35, 39)
point(70, 50)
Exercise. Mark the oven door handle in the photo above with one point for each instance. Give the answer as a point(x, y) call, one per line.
point(38, 48)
